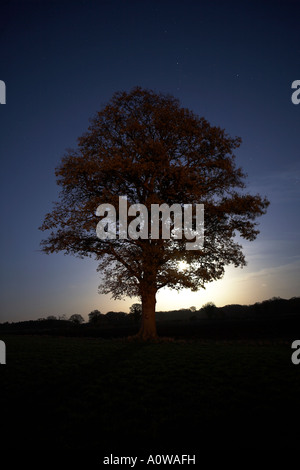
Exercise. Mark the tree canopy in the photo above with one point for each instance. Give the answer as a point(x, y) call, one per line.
point(145, 146)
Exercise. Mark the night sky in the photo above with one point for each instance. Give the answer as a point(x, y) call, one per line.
point(231, 62)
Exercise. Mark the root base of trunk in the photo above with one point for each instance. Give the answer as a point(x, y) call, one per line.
point(144, 338)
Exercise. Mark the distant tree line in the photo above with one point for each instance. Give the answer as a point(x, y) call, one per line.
point(275, 307)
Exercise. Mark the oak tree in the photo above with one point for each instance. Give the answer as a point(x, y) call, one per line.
point(76, 318)
point(147, 147)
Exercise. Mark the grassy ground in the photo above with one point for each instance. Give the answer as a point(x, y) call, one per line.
point(83, 393)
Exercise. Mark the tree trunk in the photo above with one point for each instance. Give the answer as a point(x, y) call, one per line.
point(148, 327)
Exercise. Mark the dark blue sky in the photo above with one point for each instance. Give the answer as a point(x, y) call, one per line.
point(231, 62)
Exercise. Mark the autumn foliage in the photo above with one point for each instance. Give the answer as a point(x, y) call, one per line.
point(147, 147)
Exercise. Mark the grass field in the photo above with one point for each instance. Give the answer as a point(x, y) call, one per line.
point(89, 393)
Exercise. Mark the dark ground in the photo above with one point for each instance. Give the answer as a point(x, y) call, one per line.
point(217, 385)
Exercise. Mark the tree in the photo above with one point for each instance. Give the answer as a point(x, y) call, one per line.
point(95, 316)
point(210, 309)
point(116, 317)
point(76, 318)
point(145, 146)
point(51, 317)
point(135, 312)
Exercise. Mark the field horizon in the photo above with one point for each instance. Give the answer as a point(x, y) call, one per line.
point(115, 394)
